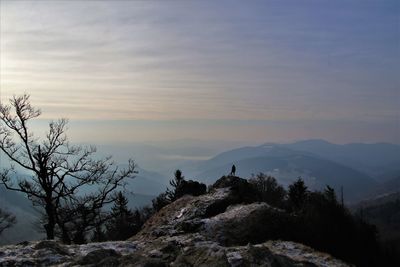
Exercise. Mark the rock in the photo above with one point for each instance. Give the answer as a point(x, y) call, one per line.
point(138, 260)
point(229, 181)
point(23, 243)
point(99, 257)
point(259, 256)
point(224, 227)
point(242, 190)
point(242, 224)
point(51, 245)
point(41, 253)
point(203, 255)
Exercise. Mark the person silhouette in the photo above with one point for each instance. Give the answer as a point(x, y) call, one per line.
point(233, 170)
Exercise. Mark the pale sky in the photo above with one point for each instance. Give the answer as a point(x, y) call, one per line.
point(229, 70)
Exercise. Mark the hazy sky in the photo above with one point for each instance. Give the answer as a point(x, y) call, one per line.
point(229, 70)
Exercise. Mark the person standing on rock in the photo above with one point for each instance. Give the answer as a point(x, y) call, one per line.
point(233, 170)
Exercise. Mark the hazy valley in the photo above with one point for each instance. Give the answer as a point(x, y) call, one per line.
point(318, 162)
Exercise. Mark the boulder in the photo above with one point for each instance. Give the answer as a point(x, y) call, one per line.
point(243, 224)
point(241, 188)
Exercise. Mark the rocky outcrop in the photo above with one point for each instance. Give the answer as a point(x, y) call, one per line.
point(224, 227)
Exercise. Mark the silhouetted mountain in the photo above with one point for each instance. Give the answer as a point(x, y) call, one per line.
point(389, 187)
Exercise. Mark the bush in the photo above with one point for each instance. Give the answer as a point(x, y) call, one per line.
point(181, 187)
point(268, 189)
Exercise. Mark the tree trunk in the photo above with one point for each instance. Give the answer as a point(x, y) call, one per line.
point(49, 227)
point(65, 237)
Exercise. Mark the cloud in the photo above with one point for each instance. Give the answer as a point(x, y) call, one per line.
point(204, 60)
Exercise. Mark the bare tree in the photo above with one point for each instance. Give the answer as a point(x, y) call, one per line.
point(60, 172)
point(6, 220)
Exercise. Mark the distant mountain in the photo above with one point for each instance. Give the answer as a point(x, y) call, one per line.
point(235, 155)
point(392, 185)
point(148, 183)
point(389, 175)
point(389, 187)
point(316, 172)
point(21, 207)
point(137, 201)
point(372, 159)
point(376, 201)
point(248, 152)
point(359, 168)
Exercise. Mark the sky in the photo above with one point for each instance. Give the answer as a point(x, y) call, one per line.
point(255, 71)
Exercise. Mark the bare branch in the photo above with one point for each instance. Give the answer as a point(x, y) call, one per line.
point(60, 170)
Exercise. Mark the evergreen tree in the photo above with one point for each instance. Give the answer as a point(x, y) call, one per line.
point(175, 193)
point(297, 194)
point(330, 195)
point(123, 223)
point(160, 201)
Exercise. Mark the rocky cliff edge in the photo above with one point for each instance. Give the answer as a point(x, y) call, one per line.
point(224, 227)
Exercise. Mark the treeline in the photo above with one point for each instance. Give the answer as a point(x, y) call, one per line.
point(123, 222)
point(324, 223)
point(386, 217)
